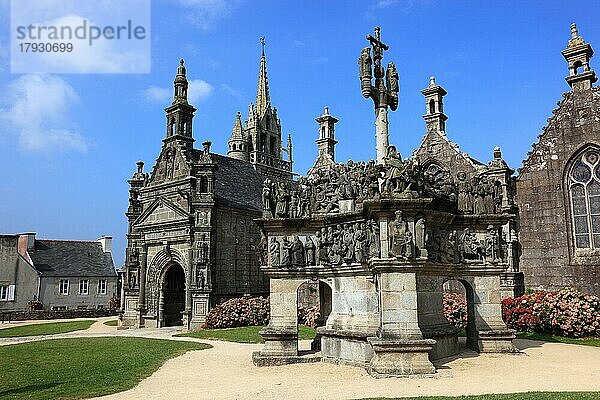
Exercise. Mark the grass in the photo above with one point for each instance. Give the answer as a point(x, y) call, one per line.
point(595, 342)
point(244, 334)
point(82, 367)
point(51, 328)
point(511, 396)
point(112, 322)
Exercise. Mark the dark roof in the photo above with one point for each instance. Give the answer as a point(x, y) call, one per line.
point(71, 258)
point(237, 183)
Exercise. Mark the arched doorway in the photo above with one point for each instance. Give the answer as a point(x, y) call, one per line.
point(456, 294)
point(173, 296)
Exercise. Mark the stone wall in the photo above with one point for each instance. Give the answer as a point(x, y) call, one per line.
point(235, 244)
point(549, 259)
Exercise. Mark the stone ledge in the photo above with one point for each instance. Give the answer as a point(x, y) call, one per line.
point(270, 361)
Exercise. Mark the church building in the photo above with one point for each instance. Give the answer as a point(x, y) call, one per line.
point(558, 187)
point(192, 242)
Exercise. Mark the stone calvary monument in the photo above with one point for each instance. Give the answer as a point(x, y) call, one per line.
point(382, 238)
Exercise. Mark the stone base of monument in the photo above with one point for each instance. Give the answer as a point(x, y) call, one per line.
point(400, 357)
point(496, 341)
point(345, 347)
point(446, 341)
point(281, 348)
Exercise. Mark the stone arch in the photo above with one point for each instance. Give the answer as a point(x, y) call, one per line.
point(155, 276)
point(581, 183)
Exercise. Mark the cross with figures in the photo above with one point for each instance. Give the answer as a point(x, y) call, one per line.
point(385, 91)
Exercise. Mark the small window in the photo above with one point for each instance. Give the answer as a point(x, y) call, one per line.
point(63, 287)
point(7, 293)
point(84, 287)
point(60, 308)
point(102, 286)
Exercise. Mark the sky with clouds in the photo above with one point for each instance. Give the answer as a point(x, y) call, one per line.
point(69, 142)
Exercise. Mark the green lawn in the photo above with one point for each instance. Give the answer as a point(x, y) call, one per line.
point(244, 334)
point(50, 328)
point(82, 367)
point(512, 396)
point(558, 339)
point(112, 322)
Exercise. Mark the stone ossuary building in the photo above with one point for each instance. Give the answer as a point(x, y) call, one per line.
point(192, 242)
point(558, 187)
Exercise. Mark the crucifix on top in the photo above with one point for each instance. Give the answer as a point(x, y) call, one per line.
point(385, 91)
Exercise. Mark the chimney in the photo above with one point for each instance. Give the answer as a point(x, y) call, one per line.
point(106, 242)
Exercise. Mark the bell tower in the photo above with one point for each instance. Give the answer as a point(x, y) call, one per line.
point(326, 141)
point(180, 113)
point(434, 117)
point(578, 54)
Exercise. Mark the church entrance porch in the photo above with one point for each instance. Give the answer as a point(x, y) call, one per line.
point(172, 303)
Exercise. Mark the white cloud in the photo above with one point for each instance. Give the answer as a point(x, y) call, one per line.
point(38, 112)
point(232, 91)
point(198, 91)
point(206, 13)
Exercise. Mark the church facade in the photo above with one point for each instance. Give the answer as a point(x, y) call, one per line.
point(192, 242)
point(558, 187)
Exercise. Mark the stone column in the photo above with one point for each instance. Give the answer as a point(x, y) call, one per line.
point(187, 313)
point(492, 334)
point(381, 132)
point(384, 242)
point(399, 347)
point(281, 335)
point(142, 281)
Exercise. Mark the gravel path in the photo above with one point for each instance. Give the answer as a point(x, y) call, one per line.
point(226, 372)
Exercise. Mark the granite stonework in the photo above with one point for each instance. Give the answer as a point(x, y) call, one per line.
point(192, 239)
point(557, 184)
point(384, 236)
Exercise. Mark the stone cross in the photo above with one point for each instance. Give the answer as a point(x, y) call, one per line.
point(383, 97)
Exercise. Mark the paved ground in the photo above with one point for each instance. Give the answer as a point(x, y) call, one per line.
point(226, 372)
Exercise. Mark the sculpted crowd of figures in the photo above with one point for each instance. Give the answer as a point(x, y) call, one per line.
point(323, 190)
point(348, 243)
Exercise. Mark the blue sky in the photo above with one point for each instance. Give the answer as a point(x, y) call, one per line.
point(65, 158)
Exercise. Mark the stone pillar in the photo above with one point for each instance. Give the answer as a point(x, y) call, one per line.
point(187, 313)
point(142, 292)
point(399, 348)
point(492, 334)
point(384, 243)
point(381, 132)
point(281, 335)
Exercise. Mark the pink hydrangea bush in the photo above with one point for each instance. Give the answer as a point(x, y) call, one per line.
point(309, 315)
point(243, 311)
point(566, 312)
point(455, 309)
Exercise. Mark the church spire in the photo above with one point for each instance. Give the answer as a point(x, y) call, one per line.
point(263, 100)
point(180, 113)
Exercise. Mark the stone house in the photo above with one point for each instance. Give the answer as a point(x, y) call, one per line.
point(192, 241)
point(61, 274)
point(558, 186)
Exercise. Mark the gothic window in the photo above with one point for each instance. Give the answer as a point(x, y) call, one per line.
point(584, 190)
point(431, 106)
point(203, 184)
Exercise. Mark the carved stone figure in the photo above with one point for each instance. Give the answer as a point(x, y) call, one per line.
point(267, 198)
point(449, 248)
point(309, 249)
point(470, 248)
point(203, 250)
point(397, 230)
point(286, 252)
point(348, 241)
point(465, 194)
point(374, 240)
point(365, 63)
point(321, 246)
point(393, 170)
point(274, 251)
point(282, 202)
point(392, 78)
point(492, 245)
point(359, 242)
point(420, 249)
point(297, 253)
